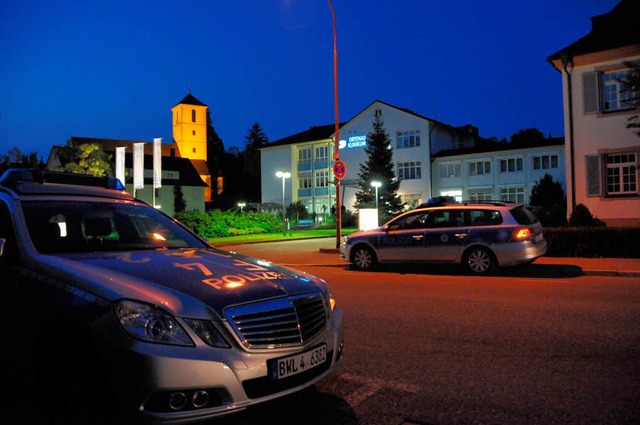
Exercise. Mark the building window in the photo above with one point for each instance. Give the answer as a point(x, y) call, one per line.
point(512, 194)
point(194, 150)
point(304, 180)
point(510, 165)
point(322, 178)
point(408, 139)
point(480, 194)
point(193, 132)
point(193, 115)
point(479, 167)
point(603, 92)
point(622, 174)
point(322, 153)
point(304, 154)
point(545, 162)
point(409, 170)
point(613, 174)
point(411, 200)
point(449, 170)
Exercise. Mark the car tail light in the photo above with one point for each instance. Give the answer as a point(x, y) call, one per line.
point(522, 233)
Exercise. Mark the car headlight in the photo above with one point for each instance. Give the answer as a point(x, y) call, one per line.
point(207, 332)
point(150, 323)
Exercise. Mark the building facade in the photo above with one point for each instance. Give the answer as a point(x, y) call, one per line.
point(603, 155)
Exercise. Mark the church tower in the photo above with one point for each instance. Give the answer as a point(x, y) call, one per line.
point(190, 128)
point(190, 135)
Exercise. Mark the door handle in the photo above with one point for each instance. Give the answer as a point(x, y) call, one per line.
point(418, 237)
point(461, 235)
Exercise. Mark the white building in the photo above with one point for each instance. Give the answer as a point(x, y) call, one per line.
point(602, 154)
point(431, 159)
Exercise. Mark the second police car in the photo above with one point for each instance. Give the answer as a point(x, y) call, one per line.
point(479, 236)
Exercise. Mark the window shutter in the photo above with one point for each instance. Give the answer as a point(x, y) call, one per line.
point(594, 175)
point(591, 92)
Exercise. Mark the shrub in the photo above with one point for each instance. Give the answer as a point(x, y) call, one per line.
point(216, 223)
point(582, 217)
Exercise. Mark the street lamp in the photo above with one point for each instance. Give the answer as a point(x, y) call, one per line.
point(241, 205)
point(376, 184)
point(283, 175)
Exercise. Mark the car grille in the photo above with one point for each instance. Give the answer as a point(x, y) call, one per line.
point(283, 322)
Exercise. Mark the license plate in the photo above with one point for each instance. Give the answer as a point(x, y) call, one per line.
point(292, 365)
point(537, 238)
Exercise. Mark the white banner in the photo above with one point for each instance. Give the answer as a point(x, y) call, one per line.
point(138, 166)
point(157, 163)
point(120, 164)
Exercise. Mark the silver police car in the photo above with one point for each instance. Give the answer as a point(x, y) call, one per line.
point(479, 236)
point(113, 308)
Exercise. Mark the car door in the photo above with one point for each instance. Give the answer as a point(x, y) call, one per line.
point(446, 236)
point(403, 238)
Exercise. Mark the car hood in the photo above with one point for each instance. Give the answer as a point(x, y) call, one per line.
point(183, 281)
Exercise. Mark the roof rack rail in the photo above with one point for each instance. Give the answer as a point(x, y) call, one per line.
point(15, 176)
point(496, 202)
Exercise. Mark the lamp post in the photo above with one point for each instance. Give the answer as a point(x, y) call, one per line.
point(241, 205)
point(283, 175)
point(336, 151)
point(376, 184)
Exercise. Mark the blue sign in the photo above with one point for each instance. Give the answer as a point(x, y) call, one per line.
point(353, 142)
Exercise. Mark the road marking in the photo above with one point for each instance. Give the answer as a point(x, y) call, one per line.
point(372, 385)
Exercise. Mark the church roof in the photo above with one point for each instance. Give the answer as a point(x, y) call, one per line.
point(190, 99)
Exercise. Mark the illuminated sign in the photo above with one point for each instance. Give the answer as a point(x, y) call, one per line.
point(353, 142)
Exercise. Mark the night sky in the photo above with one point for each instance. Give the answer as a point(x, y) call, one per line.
point(114, 69)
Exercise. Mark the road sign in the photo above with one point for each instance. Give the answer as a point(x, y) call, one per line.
point(339, 169)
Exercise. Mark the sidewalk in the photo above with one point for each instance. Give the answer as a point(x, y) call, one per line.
point(626, 267)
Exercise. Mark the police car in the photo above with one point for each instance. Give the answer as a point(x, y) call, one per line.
point(479, 236)
point(112, 308)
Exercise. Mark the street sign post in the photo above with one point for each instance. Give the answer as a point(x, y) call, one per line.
point(339, 169)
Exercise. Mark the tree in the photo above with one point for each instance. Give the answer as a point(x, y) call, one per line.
point(631, 88)
point(215, 156)
point(251, 182)
point(528, 137)
point(179, 204)
point(379, 166)
point(15, 158)
point(549, 202)
point(85, 158)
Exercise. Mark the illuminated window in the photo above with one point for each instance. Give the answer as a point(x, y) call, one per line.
point(408, 139)
point(409, 170)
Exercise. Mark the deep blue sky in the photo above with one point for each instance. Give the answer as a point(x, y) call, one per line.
point(114, 69)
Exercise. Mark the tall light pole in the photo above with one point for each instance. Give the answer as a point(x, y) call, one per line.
point(376, 184)
point(336, 151)
point(283, 175)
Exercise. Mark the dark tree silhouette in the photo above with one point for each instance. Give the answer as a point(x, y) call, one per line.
point(379, 166)
point(549, 202)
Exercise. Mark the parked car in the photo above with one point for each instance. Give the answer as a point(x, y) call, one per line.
point(479, 236)
point(110, 303)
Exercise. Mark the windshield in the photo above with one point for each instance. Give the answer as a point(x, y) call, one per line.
point(85, 226)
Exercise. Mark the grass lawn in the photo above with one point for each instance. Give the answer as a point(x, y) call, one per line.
point(268, 237)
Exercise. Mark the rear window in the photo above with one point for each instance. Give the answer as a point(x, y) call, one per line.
point(522, 215)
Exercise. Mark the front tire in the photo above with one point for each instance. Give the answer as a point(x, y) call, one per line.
point(479, 261)
point(363, 258)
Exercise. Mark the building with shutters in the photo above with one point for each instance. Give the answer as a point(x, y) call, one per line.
point(602, 154)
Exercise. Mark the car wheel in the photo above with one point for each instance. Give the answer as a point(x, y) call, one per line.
point(479, 261)
point(363, 258)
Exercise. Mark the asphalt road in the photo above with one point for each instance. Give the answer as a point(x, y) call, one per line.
point(434, 346)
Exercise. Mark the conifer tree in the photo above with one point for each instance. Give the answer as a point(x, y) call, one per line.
point(379, 166)
point(215, 157)
point(254, 140)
